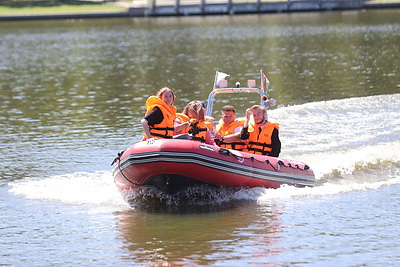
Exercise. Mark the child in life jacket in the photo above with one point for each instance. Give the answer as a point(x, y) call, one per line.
point(160, 116)
point(198, 127)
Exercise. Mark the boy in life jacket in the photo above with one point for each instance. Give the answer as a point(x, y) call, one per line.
point(262, 137)
point(228, 130)
point(160, 116)
point(198, 127)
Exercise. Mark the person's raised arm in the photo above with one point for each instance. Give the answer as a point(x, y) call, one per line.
point(244, 133)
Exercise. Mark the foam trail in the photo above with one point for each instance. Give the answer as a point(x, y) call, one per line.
point(351, 144)
point(287, 192)
point(341, 134)
point(81, 188)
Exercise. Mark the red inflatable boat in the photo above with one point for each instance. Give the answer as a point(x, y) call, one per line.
point(172, 165)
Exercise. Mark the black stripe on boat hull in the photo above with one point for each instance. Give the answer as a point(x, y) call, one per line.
point(214, 163)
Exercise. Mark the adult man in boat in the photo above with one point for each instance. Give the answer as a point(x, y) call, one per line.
point(262, 136)
point(228, 129)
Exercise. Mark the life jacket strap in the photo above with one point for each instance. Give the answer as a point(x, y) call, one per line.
point(166, 129)
point(161, 135)
point(262, 150)
point(195, 131)
point(264, 145)
point(234, 145)
point(162, 128)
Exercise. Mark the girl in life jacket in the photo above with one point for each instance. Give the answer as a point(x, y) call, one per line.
point(198, 127)
point(262, 137)
point(160, 116)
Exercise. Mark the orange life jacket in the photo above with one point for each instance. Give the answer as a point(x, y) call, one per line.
point(181, 118)
point(165, 129)
point(198, 130)
point(209, 124)
point(260, 142)
point(224, 129)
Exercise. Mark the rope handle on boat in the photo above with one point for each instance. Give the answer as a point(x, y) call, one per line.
point(118, 158)
point(281, 163)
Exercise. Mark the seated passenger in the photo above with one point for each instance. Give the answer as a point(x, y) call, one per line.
point(228, 130)
point(262, 137)
point(160, 116)
point(198, 128)
point(207, 119)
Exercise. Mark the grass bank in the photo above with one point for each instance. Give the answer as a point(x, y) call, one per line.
point(32, 7)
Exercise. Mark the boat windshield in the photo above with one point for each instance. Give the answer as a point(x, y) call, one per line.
point(221, 87)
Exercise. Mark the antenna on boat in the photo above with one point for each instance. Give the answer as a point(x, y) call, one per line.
point(264, 84)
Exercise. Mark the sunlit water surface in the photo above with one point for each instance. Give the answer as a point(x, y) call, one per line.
point(72, 95)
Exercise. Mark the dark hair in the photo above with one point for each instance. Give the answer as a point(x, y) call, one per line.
point(228, 108)
point(163, 90)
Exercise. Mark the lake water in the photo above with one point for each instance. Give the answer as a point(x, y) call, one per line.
point(72, 94)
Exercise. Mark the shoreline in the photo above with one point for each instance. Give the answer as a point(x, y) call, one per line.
point(217, 10)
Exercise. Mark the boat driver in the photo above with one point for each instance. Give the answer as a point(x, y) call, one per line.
point(228, 129)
